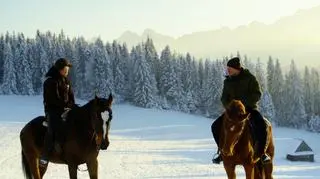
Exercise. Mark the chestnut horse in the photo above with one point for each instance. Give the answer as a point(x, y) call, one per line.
point(237, 144)
point(85, 135)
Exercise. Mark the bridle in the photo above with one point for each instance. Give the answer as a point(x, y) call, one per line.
point(233, 124)
point(95, 133)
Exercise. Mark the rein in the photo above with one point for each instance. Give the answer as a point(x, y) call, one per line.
point(233, 123)
point(236, 122)
point(94, 134)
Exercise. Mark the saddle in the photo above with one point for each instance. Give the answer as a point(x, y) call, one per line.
point(64, 116)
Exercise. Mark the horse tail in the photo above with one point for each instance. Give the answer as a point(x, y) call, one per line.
point(25, 166)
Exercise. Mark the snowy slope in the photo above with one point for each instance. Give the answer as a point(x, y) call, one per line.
point(148, 143)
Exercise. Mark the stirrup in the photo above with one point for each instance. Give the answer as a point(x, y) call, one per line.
point(265, 158)
point(43, 162)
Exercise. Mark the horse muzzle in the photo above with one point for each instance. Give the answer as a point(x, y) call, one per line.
point(104, 145)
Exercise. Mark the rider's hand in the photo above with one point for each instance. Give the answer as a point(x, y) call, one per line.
point(67, 109)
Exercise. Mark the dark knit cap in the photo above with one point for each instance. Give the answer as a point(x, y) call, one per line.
point(234, 63)
point(61, 63)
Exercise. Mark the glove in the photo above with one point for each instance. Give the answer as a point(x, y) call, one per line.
point(66, 109)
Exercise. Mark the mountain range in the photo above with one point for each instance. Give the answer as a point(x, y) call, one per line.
point(291, 37)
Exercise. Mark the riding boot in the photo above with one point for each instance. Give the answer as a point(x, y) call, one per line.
point(215, 129)
point(58, 127)
point(217, 158)
point(60, 137)
point(262, 147)
point(260, 136)
point(47, 148)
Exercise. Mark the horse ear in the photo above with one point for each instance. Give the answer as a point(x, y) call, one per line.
point(96, 94)
point(110, 97)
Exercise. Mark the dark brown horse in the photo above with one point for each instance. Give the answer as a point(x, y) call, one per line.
point(237, 144)
point(85, 136)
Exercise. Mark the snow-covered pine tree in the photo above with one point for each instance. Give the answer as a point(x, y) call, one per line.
point(43, 66)
point(165, 58)
point(178, 66)
point(270, 75)
point(260, 74)
point(266, 106)
point(101, 61)
point(296, 115)
point(171, 88)
point(195, 85)
point(207, 94)
point(79, 68)
point(2, 43)
point(188, 83)
point(118, 74)
point(246, 62)
point(47, 43)
point(266, 103)
point(216, 79)
point(279, 94)
point(144, 94)
point(23, 71)
point(315, 91)
point(152, 58)
point(9, 85)
point(70, 54)
point(58, 45)
point(33, 62)
point(127, 68)
point(314, 123)
point(202, 87)
point(307, 94)
point(35, 65)
point(175, 93)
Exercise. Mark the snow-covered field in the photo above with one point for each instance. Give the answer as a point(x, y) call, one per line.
point(149, 143)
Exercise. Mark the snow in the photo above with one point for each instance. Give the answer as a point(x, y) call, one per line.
point(149, 143)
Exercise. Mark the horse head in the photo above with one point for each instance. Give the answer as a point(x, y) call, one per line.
point(234, 121)
point(101, 124)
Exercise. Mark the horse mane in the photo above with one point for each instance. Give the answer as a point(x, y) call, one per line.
point(78, 113)
point(79, 118)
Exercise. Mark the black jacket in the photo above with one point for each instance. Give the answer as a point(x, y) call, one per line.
point(244, 87)
point(57, 92)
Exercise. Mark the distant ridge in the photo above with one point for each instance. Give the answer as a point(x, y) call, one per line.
point(291, 37)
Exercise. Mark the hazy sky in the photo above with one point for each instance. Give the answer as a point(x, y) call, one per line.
point(110, 18)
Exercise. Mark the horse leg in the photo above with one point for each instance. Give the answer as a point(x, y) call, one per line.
point(93, 169)
point(249, 169)
point(259, 170)
point(43, 170)
point(32, 161)
point(72, 171)
point(29, 166)
point(268, 169)
point(230, 169)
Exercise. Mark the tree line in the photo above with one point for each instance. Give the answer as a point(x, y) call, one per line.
point(167, 80)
